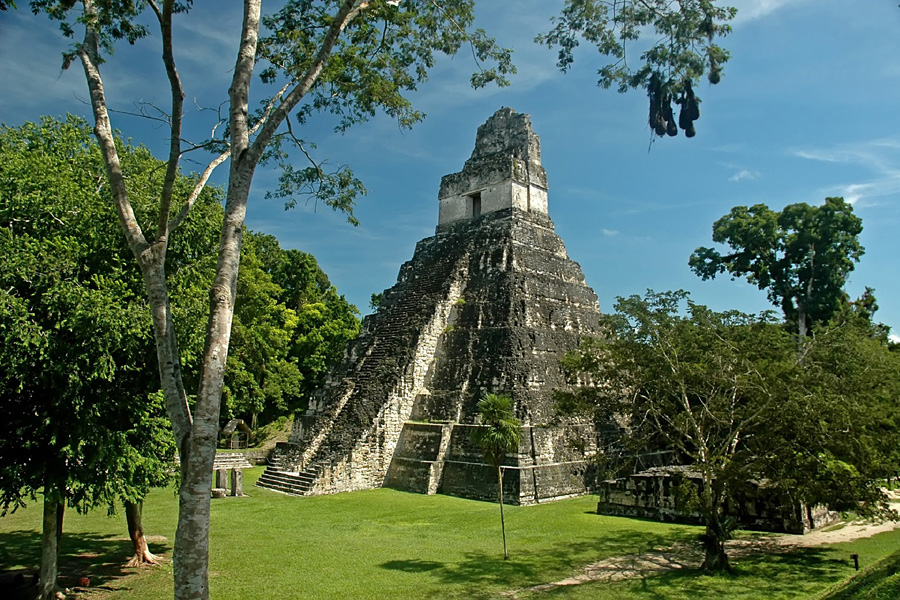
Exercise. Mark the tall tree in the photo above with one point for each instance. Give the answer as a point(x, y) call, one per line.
point(683, 51)
point(500, 433)
point(81, 424)
point(347, 57)
point(802, 256)
point(728, 394)
point(325, 320)
point(259, 373)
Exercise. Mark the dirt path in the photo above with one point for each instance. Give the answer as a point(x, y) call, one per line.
point(681, 556)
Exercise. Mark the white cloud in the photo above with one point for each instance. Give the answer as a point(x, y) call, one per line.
point(881, 157)
point(743, 174)
point(610, 232)
point(750, 10)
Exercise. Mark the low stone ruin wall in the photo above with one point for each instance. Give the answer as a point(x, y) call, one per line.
point(652, 494)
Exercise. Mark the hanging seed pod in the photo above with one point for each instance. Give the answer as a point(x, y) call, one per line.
point(691, 104)
point(657, 119)
point(671, 129)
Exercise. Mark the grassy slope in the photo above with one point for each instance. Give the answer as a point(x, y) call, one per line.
point(880, 581)
point(389, 544)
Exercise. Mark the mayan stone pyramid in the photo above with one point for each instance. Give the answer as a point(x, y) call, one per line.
point(490, 303)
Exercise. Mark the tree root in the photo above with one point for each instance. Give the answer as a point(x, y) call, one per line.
point(143, 559)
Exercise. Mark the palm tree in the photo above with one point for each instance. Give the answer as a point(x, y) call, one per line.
point(499, 434)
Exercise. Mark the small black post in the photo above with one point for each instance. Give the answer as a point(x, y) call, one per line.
point(855, 558)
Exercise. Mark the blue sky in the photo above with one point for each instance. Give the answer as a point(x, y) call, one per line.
point(809, 107)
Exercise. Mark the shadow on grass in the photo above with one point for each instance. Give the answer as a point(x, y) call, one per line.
point(101, 558)
point(792, 573)
point(482, 575)
point(412, 566)
point(795, 574)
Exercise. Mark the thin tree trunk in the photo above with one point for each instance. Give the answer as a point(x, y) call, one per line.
point(52, 532)
point(196, 434)
point(715, 558)
point(802, 328)
point(142, 554)
point(191, 553)
point(502, 520)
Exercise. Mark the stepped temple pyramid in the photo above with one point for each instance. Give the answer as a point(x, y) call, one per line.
point(490, 303)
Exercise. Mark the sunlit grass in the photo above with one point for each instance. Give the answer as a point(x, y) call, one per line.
point(389, 544)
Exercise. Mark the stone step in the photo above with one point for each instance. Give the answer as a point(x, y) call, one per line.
point(289, 483)
point(284, 489)
point(286, 477)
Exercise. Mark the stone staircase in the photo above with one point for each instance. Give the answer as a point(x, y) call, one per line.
point(384, 353)
point(289, 482)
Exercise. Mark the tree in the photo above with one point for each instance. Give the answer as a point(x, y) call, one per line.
point(290, 326)
point(259, 373)
point(499, 434)
point(346, 57)
point(728, 394)
point(81, 424)
point(801, 256)
point(683, 51)
point(375, 300)
point(325, 320)
point(842, 441)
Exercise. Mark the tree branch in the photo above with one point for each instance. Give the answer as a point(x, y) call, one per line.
point(165, 203)
point(147, 256)
point(89, 53)
point(198, 187)
point(239, 91)
point(207, 172)
point(346, 13)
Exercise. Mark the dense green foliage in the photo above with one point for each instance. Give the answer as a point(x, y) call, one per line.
point(683, 49)
point(81, 417)
point(79, 387)
point(290, 327)
point(729, 394)
point(416, 546)
point(801, 256)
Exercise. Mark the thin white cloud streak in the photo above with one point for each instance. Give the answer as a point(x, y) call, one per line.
point(39, 82)
point(751, 10)
point(610, 232)
point(880, 156)
point(742, 175)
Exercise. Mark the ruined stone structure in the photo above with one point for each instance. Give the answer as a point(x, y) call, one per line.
point(652, 494)
point(490, 303)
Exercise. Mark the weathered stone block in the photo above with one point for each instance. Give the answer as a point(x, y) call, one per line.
point(237, 482)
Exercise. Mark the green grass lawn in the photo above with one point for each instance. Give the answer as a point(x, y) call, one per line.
point(878, 581)
point(389, 544)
